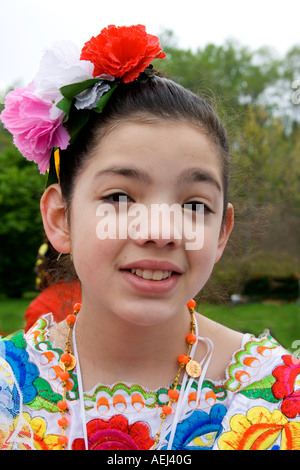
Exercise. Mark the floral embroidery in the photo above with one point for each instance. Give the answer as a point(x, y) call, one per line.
point(261, 389)
point(122, 416)
point(42, 441)
point(139, 398)
point(116, 434)
point(38, 332)
point(199, 431)
point(30, 435)
point(48, 385)
point(45, 399)
point(24, 371)
point(285, 385)
point(259, 430)
point(253, 357)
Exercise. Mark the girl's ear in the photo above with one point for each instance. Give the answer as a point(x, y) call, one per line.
point(225, 232)
point(55, 219)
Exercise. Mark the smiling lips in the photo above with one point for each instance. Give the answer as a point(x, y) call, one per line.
point(156, 275)
point(156, 271)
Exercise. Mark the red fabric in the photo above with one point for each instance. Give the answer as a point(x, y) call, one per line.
point(284, 388)
point(116, 434)
point(57, 299)
point(122, 51)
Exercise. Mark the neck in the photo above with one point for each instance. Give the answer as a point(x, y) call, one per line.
point(112, 349)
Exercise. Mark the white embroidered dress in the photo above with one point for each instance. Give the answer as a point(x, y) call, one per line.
point(257, 406)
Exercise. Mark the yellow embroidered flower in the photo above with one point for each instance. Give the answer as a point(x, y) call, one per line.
point(259, 430)
point(30, 434)
point(42, 441)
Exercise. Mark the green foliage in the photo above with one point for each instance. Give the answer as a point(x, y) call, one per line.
point(231, 75)
point(21, 231)
point(282, 319)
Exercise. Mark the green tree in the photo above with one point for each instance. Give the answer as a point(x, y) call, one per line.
point(21, 231)
point(231, 74)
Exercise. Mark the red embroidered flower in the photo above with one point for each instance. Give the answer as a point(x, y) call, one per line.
point(116, 434)
point(122, 51)
point(284, 387)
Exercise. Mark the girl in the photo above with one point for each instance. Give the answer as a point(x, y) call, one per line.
point(134, 366)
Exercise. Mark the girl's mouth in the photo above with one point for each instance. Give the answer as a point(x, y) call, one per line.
point(151, 275)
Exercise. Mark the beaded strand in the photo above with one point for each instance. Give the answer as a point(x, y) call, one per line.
point(67, 363)
point(192, 367)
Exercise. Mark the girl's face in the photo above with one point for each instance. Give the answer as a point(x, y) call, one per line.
point(149, 275)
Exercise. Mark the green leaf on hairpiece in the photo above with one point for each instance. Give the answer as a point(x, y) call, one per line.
point(65, 105)
point(70, 91)
point(101, 103)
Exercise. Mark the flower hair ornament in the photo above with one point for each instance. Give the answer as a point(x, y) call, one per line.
point(48, 114)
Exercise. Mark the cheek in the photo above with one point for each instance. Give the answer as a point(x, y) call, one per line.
point(202, 260)
point(94, 257)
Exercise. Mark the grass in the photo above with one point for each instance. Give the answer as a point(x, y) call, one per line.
point(283, 320)
point(12, 314)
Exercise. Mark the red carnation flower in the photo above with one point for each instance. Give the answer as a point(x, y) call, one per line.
point(123, 51)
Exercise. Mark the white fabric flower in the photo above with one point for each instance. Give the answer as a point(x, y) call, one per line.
point(88, 98)
point(60, 66)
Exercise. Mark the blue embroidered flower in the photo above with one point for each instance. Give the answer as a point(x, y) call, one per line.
point(25, 372)
point(200, 430)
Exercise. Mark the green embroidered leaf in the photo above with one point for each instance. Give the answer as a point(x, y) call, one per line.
point(261, 389)
point(46, 398)
point(17, 338)
point(40, 403)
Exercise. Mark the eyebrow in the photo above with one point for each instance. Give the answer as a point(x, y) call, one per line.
point(199, 176)
point(189, 176)
point(131, 173)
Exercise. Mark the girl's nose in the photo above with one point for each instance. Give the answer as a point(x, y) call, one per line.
point(159, 224)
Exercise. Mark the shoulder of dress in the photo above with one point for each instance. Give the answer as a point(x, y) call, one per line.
point(255, 360)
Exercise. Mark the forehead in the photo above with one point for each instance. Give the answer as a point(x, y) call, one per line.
point(161, 153)
point(162, 140)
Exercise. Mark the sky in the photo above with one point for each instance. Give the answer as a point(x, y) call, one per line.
point(30, 26)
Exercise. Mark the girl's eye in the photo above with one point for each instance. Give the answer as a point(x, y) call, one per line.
point(117, 198)
point(197, 206)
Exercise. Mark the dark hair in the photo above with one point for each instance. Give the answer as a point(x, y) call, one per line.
point(150, 98)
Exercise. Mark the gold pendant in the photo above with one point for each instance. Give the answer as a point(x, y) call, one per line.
point(193, 369)
point(67, 366)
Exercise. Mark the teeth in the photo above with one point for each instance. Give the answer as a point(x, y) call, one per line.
point(156, 275)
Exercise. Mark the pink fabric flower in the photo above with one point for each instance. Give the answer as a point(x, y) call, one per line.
point(27, 118)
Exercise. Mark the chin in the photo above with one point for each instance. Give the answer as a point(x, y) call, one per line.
point(149, 312)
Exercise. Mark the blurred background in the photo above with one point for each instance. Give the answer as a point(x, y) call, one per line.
point(245, 59)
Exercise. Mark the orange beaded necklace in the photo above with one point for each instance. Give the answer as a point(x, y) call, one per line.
point(68, 362)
